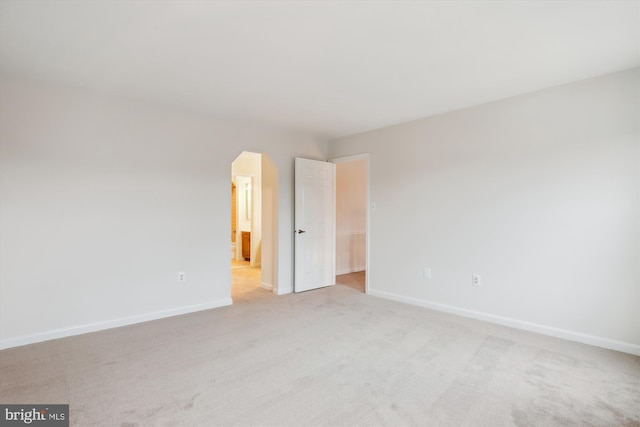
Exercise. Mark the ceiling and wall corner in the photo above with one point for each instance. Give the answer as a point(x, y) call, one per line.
point(330, 68)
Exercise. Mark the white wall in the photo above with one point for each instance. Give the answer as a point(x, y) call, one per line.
point(270, 195)
point(351, 216)
point(106, 199)
point(538, 193)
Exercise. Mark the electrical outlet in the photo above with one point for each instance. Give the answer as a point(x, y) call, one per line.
point(182, 277)
point(476, 280)
point(426, 273)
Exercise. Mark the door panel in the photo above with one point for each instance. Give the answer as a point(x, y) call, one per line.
point(314, 224)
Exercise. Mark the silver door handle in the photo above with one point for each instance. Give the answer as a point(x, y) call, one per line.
point(301, 231)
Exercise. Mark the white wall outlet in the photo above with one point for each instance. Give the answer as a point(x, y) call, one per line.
point(476, 280)
point(182, 277)
point(426, 273)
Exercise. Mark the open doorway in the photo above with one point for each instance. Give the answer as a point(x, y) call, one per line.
point(352, 189)
point(254, 185)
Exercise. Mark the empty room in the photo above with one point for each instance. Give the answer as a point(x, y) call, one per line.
point(319, 213)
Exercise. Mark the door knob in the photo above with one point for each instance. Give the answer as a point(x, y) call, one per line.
point(301, 231)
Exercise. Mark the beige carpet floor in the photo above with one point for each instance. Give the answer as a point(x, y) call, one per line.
point(329, 357)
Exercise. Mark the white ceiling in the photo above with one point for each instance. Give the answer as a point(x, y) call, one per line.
point(332, 68)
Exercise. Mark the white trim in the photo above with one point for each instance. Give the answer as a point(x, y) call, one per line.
point(266, 286)
point(514, 323)
point(333, 223)
point(282, 291)
point(99, 326)
point(367, 263)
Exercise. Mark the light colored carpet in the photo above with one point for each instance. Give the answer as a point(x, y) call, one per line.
point(333, 356)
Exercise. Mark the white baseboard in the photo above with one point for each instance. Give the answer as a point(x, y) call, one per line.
point(266, 286)
point(514, 323)
point(99, 326)
point(282, 291)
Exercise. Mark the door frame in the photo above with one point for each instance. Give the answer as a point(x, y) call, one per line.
point(347, 159)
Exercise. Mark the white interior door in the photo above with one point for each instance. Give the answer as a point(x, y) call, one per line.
point(314, 224)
